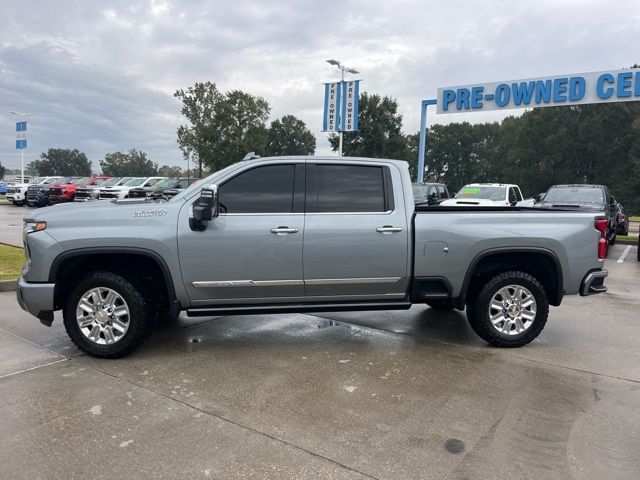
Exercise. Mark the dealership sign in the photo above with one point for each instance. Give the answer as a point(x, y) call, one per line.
point(341, 104)
point(562, 90)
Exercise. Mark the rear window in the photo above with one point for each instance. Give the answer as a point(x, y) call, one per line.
point(574, 194)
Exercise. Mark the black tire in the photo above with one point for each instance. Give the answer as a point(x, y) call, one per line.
point(142, 315)
point(478, 309)
point(18, 204)
point(441, 305)
point(612, 239)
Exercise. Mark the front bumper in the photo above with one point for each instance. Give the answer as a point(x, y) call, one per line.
point(15, 197)
point(36, 298)
point(593, 282)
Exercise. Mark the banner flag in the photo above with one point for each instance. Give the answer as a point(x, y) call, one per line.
point(350, 104)
point(21, 135)
point(331, 107)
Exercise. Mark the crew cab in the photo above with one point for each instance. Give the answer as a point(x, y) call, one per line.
point(121, 191)
point(66, 192)
point(297, 234)
point(486, 194)
point(17, 191)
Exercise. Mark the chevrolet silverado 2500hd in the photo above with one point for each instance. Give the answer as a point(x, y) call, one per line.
point(294, 234)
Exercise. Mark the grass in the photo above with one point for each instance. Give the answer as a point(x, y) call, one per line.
point(634, 218)
point(11, 261)
point(627, 238)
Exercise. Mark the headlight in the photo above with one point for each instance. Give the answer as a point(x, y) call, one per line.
point(30, 227)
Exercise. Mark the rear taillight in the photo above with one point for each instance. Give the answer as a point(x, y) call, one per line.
point(601, 224)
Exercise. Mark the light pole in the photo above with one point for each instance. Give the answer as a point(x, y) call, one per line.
point(343, 69)
point(21, 116)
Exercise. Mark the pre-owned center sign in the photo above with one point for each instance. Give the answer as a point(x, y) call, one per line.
point(574, 89)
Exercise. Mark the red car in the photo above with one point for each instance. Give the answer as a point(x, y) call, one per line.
point(67, 191)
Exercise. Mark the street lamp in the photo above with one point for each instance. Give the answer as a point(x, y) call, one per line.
point(343, 69)
point(21, 115)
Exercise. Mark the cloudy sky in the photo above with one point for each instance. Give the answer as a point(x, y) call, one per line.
point(100, 75)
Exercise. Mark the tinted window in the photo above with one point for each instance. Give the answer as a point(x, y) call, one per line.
point(442, 192)
point(261, 190)
point(350, 188)
point(512, 195)
point(519, 194)
point(575, 194)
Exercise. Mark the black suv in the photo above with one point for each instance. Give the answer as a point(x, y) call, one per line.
point(592, 198)
point(158, 189)
point(429, 193)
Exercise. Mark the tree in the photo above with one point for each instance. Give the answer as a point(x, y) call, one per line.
point(223, 127)
point(128, 164)
point(2, 171)
point(290, 136)
point(167, 171)
point(61, 161)
point(380, 130)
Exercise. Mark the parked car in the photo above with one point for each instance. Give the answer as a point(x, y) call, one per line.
point(184, 183)
point(66, 192)
point(486, 194)
point(17, 192)
point(3, 188)
point(156, 192)
point(590, 198)
point(92, 192)
point(38, 195)
point(253, 237)
point(622, 227)
point(429, 193)
point(122, 191)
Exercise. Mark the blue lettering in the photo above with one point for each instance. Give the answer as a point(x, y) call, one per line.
point(543, 91)
point(448, 96)
point(488, 96)
point(624, 84)
point(602, 93)
point(637, 84)
point(463, 99)
point(522, 92)
point(577, 88)
point(560, 89)
point(476, 97)
point(503, 94)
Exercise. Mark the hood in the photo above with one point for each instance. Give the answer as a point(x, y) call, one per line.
point(90, 211)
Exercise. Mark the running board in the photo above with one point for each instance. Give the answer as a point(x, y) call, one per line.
point(296, 308)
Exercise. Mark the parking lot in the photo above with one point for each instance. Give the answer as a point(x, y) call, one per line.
point(410, 394)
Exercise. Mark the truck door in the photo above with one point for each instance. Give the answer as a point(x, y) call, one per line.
point(356, 237)
point(253, 249)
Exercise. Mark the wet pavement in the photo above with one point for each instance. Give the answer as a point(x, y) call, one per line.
point(411, 394)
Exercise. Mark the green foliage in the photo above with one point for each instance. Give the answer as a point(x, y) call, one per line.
point(222, 127)
point(380, 131)
point(2, 171)
point(128, 164)
point(546, 146)
point(290, 136)
point(61, 161)
point(168, 171)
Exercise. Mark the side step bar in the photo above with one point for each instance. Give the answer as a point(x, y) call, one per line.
point(296, 308)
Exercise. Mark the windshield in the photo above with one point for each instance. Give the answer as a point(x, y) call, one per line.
point(197, 184)
point(135, 182)
point(574, 195)
point(482, 192)
point(38, 180)
point(111, 182)
point(62, 181)
point(82, 181)
point(167, 183)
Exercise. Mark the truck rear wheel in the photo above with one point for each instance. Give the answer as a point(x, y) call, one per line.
point(510, 310)
point(107, 316)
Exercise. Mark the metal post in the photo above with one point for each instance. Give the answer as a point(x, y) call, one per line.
point(422, 147)
point(340, 120)
point(22, 164)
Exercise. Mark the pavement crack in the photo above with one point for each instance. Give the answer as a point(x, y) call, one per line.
point(234, 422)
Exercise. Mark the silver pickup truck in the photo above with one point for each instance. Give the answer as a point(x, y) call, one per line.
point(294, 234)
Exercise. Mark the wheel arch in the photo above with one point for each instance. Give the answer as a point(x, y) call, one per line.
point(541, 262)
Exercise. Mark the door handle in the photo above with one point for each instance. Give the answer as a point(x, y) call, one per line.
point(388, 229)
point(284, 230)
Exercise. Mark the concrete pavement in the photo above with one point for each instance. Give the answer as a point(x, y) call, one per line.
point(410, 394)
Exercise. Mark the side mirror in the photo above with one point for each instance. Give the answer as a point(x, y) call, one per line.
point(538, 197)
point(612, 200)
point(432, 199)
point(205, 208)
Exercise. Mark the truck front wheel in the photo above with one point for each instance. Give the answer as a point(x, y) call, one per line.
point(510, 310)
point(107, 315)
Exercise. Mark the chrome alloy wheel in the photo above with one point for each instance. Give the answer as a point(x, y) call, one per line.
point(512, 309)
point(103, 315)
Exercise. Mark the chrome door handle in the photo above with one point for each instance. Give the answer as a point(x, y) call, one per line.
point(284, 230)
point(388, 229)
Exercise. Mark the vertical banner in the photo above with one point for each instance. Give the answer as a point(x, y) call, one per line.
point(331, 107)
point(350, 100)
point(21, 135)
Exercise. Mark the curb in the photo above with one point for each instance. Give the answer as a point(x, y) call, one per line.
point(8, 285)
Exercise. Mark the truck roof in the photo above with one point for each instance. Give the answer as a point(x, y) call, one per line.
point(491, 185)
point(328, 157)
